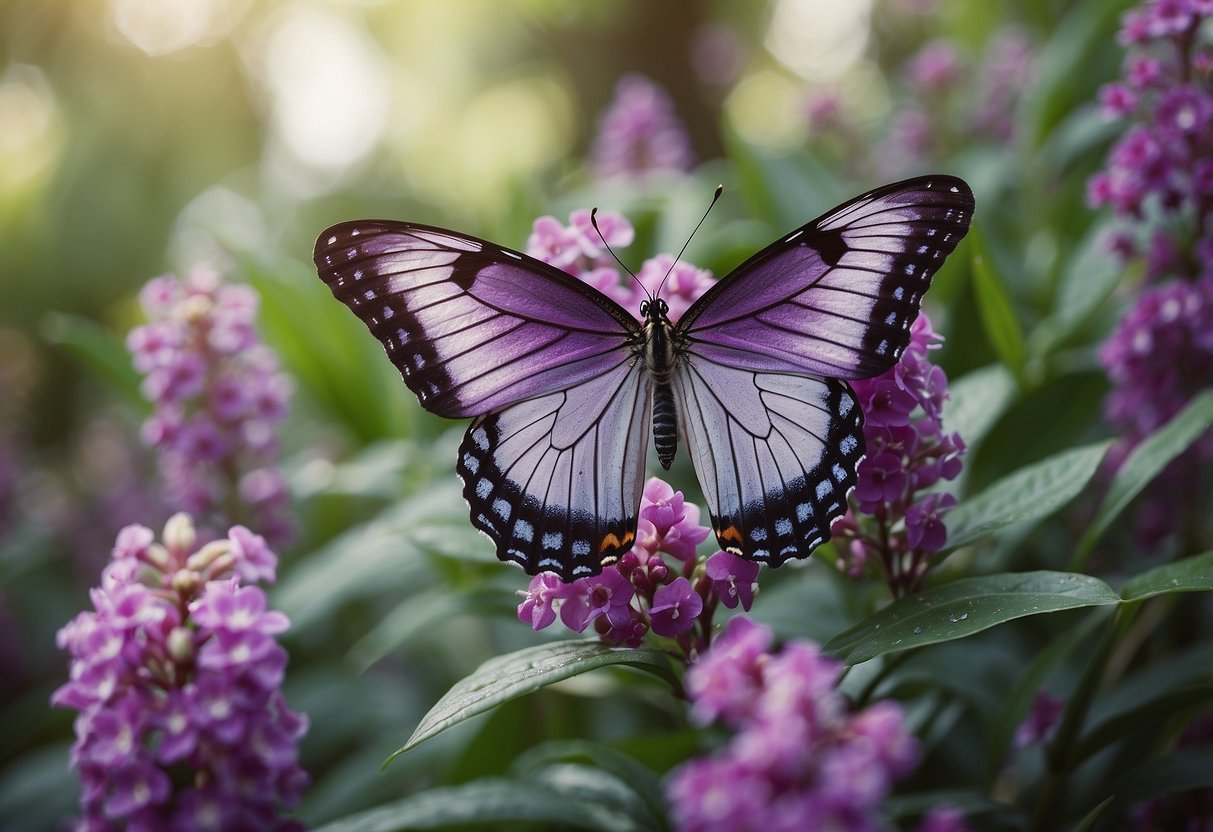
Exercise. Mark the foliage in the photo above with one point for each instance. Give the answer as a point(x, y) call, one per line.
point(430, 705)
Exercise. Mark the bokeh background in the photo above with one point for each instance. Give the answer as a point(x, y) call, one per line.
point(139, 137)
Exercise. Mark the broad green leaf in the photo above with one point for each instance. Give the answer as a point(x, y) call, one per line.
point(1145, 463)
point(1166, 705)
point(965, 607)
point(98, 349)
point(994, 304)
point(588, 783)
point(1088, 280)
point(1027, 494)
point(491, 803)
point(1088, 820)
point(643, 781)
point(976, 400)
point(516, 674)
point(1194, 574)
point(416, 616)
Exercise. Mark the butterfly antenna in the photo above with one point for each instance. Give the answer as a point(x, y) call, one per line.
point(670, 270)
point(607, 246)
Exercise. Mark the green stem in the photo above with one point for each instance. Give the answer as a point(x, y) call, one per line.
point(1060, 755)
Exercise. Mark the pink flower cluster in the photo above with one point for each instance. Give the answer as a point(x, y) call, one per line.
point(177, 675)
point(642, 592)
point(578, 250)
point(908, 453)
point(800, 758)
point(218, 398)
point(640, 134)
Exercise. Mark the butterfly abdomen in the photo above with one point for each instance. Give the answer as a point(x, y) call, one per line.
point(665, 424)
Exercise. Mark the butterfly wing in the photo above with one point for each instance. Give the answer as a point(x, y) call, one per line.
point(472, 327)
point(836, 297)
point(556, 480)
point(774, 433)
point(775, 454)
point(553, 465)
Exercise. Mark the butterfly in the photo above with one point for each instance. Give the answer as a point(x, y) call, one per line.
point(565, 388)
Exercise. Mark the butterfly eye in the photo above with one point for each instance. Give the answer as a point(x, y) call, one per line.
point(662, 306)
point(644, 308)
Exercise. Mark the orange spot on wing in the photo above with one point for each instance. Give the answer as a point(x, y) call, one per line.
point(730, 533)
point(610, 541)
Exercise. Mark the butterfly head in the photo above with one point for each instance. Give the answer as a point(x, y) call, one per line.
point(654, 310)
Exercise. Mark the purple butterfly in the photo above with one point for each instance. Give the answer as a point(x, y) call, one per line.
point(564, 386)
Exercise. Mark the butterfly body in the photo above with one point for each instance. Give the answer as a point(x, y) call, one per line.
point(565, 386)
point(660, 357)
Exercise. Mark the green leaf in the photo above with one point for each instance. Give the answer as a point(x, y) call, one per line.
point(516, 674)
point(98, 349)
point(642, 780)
point(997, 314)
point(1145, 463)
point(1194, 574)
point(1088, 820)
point(1027, 494)
point(965, 607)
point(489, 802)
point(976, 400)
point(1089, 279)
point(1183, 770)
point(1165, 706)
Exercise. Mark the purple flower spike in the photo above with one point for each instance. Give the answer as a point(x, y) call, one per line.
point(640, 133)
point(675, 608)
point(908, 452)
point(217, 395)
point(800, 758)
point(734, 578)
point(177, 680)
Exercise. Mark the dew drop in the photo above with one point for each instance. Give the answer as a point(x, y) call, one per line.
point(956, 618)
point(917, 630)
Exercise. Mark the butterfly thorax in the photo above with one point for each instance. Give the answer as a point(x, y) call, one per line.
point(659, 358)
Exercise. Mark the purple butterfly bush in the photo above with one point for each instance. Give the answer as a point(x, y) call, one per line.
point(640, 134)
point(951, 101)
point(895, 521)
point(218, 398)
point(176, 674)
point(1158, 179)
point(800, 757)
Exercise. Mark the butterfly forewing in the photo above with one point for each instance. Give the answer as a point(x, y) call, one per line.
point(836, 297)
point(471, 326)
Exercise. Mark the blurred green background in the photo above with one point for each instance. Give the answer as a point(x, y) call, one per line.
point(144, 136)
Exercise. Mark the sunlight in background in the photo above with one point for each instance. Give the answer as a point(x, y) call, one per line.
point(819, 40)
point(328, 94)
point(30, 137)
point(158, 27)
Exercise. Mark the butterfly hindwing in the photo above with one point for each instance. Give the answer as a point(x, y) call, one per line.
point(555, 481)
point(471, 326)
point(775, 455)
point(835, 298)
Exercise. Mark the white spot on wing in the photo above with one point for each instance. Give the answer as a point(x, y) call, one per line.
point(524, 530)
point(783, 526)
point(483, 488)
point(848, 444)
point(553, 540)
point(481, 439)
point(581, 548)
point(839, 473)
point(758, 534)
point(502, 508)
point(471, 463)
point(824, 488)
point(803, 512)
